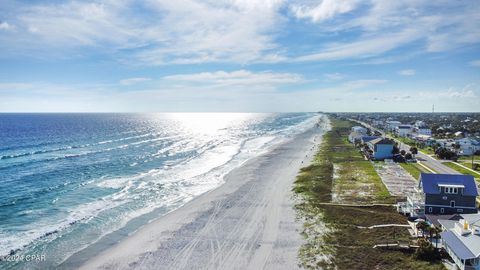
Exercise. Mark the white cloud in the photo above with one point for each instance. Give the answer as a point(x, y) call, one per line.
point(185, 32)
point(15, 86)
point(324, 10)
point(407, 72)
point(5, 26)
point(333, 76)
point(475, 63)
point(467, 92)
point(363, 48)
point(158, 32)
point(239, 77)
point(131, 81)
point(384, 26)
point(357, 84)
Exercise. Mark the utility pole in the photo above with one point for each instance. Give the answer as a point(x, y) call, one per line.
point(433, 108)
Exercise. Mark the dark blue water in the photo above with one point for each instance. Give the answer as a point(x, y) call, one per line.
point(67, 180)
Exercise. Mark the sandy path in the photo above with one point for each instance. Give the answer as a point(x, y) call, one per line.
point(247, 223)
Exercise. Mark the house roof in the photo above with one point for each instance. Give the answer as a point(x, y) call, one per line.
point(437, 219)
point(358, 127)
point(404, 127)
point(447, 224)
point(381, 141)
point(430, 183)
point(465, 247)
point(369, 138)
point(356, 135)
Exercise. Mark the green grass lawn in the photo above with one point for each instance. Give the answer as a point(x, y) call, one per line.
point(469, 163)
point(469, 158)
point(462, 170)
point(428, 151)
point(414, 169)
point(340, 169)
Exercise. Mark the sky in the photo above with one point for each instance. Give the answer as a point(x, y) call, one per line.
point(239, 55)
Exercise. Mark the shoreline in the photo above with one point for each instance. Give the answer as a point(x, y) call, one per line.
point(241, 224)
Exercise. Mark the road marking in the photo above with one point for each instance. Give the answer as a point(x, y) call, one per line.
point(420, 163)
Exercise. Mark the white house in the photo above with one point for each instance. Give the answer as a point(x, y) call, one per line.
point(360, 130)
point(377, 123)
point(404, 130)
point(461, 240)
point(423, 130)
point(391, 125)
point(468, 146)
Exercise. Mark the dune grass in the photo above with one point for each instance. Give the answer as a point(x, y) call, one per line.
point(333, 239)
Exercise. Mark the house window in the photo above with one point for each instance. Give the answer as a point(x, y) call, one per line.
point(452, 204)
point(460, 210)
point(442, 210)
point(430, 209)
point(451, 190)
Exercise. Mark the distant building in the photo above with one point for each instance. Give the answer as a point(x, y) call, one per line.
point(423, 130)
point(419, 124)
point(360, 130)
point(366, 139)
point(355, 137)
point(382, 148)
point(357, 133)
point(425, 139)
point(377, 123)
point(461, 240)
point(404, 130)
point(468, 146)
point(391, 125)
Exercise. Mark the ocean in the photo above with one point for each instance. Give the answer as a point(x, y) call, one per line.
point(73, 184)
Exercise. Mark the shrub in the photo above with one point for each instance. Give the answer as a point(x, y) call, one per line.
point(425, 251)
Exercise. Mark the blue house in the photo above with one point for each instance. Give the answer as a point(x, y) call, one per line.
point(381, 148)
point(448, 193)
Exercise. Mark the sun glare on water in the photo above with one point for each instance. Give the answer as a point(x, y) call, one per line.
point(210, 123)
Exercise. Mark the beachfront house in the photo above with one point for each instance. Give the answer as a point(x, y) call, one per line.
point(355, 137)
point(461, 240)
point(360, 130)
point(448, 193)
point(404, 130)
point(441, 194)
point(381, 148)
point(366, 139)
point(356, 134)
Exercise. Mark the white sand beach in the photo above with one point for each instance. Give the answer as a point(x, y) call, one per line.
point(247, 223)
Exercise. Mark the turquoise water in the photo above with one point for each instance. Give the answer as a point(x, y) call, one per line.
point(70, 181)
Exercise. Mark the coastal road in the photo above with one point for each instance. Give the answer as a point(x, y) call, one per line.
point(430, 162)
point(247, 223)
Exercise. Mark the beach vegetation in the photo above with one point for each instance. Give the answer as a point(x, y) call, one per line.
point(339, 196)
